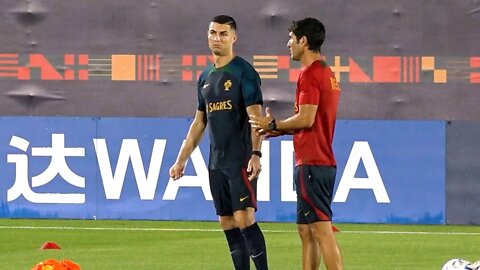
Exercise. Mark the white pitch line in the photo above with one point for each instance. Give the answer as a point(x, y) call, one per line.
point(218, 230)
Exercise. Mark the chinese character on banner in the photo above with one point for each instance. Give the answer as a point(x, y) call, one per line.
point(57, 166)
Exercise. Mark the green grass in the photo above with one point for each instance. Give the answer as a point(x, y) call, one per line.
point(122, 245)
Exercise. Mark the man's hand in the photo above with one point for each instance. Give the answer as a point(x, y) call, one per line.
point(260, 124)
point(176, 171)
point(254, 167)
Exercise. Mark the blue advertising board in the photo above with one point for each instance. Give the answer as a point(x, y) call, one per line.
point(117, 168)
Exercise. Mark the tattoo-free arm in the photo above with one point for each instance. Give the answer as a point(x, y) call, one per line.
point(194, 135)
point(255, 110)
point(254, 167)
point(303, 119)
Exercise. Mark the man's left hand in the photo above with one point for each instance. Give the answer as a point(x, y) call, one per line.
point(254, 167)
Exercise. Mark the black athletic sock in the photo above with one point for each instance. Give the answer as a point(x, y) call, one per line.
point(256, 246)
point(238, 249)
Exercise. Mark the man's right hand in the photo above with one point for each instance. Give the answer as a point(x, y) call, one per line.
point(176, 171)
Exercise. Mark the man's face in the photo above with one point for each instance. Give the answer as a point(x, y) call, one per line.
point(296, 48)
point(221, 38)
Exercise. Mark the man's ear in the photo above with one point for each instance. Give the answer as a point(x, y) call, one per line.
point(304, 41)
point(234, 38)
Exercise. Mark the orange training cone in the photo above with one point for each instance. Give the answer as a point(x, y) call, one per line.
point(53, 264)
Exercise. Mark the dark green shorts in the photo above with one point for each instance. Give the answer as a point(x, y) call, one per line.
point(314, 185)
point(232, 191)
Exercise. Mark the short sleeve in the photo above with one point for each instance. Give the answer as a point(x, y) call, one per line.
point(201, 101)
point(309, 90)
point(251, 90)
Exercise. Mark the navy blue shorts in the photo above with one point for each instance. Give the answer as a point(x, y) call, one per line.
point(232, 191)
point(314, 185)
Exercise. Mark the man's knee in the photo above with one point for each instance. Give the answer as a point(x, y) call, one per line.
point(305, 232)
point(322, 230)
point(244, 218)
point(227, 222)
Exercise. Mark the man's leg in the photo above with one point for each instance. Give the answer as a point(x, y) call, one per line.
point(330, 251)
point(236, 243)
point(310, 250)
point(221, 198)
point(245, 220)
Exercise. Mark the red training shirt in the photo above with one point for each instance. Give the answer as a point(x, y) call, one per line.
point(317, 86)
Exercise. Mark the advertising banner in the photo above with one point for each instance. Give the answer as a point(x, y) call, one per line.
point(117, 168)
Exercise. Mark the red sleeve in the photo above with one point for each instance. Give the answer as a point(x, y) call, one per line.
point(309, 90)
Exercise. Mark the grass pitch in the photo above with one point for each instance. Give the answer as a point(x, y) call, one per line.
point(105, 245)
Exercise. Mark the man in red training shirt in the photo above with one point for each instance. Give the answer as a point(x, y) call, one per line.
point(312, 126)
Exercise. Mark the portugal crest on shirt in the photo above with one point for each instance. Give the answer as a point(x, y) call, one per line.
point(227, 85)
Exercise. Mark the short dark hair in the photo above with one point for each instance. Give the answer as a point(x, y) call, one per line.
point(225, 19)
point(312, 29)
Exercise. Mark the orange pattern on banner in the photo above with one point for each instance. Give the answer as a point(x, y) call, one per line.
point(338, 69)
point(428, 63)
point(188, 67)
point(439, 75)
point(266, 66)
point(123, 67)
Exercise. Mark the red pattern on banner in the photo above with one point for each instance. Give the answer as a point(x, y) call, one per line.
point(357, 75)
point(386, 69)
point(283, 62)
point(157, 67)
point(187, 75)
point(201, 60)
point(69, 59)
point(475, 76)
point(83, 59)
point(47, 71)
point(187, 60)
point(293, 74)
point(7, 70)
point(417, 69)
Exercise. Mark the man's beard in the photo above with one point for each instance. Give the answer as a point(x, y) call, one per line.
point(218, 52)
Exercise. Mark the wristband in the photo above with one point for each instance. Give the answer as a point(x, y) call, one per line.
point(257, 153)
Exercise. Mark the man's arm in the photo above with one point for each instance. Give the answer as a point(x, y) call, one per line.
point(195, 133)
point(303, 119)
point(255, 110)
point(254, 166)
